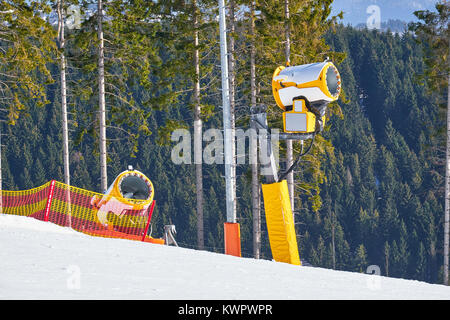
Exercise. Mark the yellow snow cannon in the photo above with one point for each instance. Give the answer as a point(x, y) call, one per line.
point(131, 191)
point(303, 93)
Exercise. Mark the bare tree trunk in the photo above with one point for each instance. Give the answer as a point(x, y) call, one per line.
point(198, 137)
point(447, 193)
point(333, 234)
point(333, 246)
point(65, 129)
point(101, 100)
point(232, 77)
point(289, 147)
point(386, 258)
point(256, 198)
point(331, 214)
point(287, 33)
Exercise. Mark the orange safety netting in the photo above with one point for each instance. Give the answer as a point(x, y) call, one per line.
point(85, 211)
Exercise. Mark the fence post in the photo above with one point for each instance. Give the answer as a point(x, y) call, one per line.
point(49, 200)
point(148, 220)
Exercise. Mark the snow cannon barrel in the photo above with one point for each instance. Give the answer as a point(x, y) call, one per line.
point(132, 187)
point(303, 93)
point(131, 191)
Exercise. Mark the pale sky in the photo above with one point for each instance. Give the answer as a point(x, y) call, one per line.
point(355, 11)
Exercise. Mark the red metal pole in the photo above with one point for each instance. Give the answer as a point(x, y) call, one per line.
point(49, 200)
point(148, 220)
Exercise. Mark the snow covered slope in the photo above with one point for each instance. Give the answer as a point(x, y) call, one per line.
point(40, 260)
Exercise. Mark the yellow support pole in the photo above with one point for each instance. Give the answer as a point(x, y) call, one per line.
point(280, 223)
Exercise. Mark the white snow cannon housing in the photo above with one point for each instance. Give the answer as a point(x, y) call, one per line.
point(304, 92)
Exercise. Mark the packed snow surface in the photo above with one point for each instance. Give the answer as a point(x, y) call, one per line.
point(40, 260)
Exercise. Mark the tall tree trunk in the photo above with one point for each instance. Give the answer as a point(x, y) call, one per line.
point(287, 33)
point(386, 258)
point(198, 136)
point(62, 62)
point(333, 233)
point(447, 192)
point(232, 77)
point(289, 147)
point(101, 100)
point(256, 198)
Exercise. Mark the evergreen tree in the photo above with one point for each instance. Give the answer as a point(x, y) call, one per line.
point(27, 48)
point(433, 29)
point(360, 259)
point(380, 181)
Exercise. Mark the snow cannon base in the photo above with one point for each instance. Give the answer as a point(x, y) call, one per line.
point(120, 235)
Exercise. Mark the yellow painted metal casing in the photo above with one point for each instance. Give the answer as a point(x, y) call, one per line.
point(276, 86)
point(118, 201)
point(299, 119)
point(138, 204)
point(280, 223)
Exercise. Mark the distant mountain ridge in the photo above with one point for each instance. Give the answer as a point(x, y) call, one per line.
point(393, 25)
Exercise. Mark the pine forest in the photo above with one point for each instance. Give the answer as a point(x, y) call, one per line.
point(370, 192)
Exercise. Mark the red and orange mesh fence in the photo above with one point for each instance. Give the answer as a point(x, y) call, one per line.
point(84, 211)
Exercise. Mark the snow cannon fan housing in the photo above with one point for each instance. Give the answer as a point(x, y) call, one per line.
point(304, 92)
point(130, 191)
point(133, 188)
